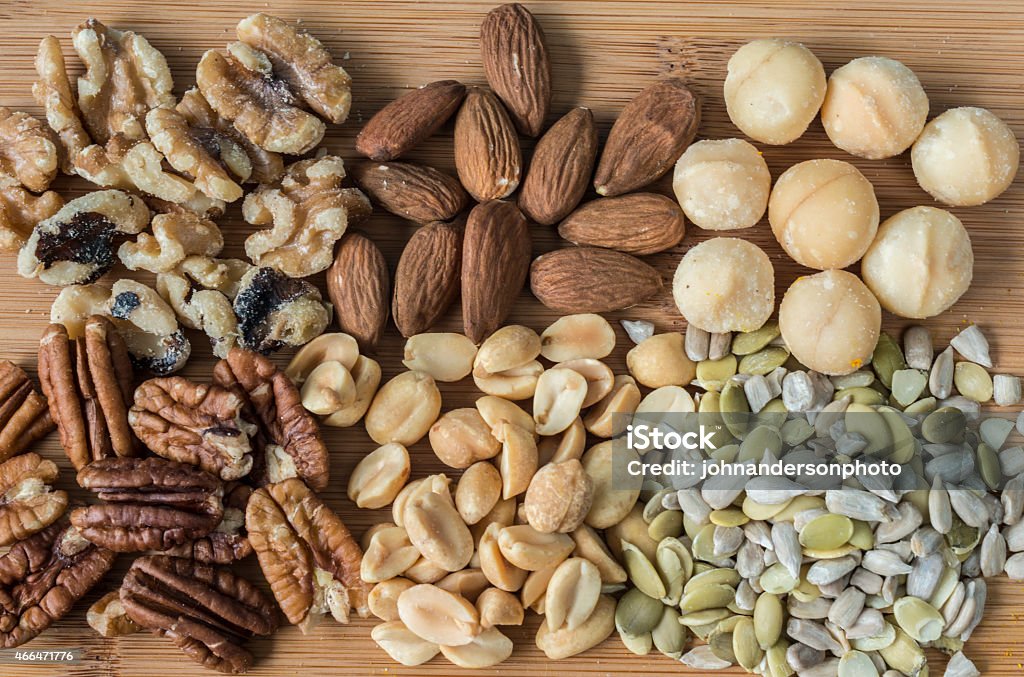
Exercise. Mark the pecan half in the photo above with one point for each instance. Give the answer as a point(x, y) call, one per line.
point(28, 155)
point(20, 211)
point(208, 612)
point(277, 405)
point(42, 577)
point(151, 503)
point(306, 553)
point(88, 383)
point(24, 413)
point(53, 92)
point(194, 423)
point(229, 541)
point(27, 502)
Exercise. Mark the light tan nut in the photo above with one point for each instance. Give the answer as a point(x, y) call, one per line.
point(499, 607)
point(204, 309)
point(53, 92)
point(366, 375)
point(461, 437)
point(148, 326)
point(108, 618)
point(438, 532)
point(487, 649)
point(223, 275)
point(529, 549)
point(275, 311)
point(198, 154)
point(175, 236)
point(518, 460)
point(28, 504)
point(572, 594)
point(563, 642)
point(661, 361)
point(383, 598)
point(477, 492)
point(497, 411)
point(334, 346)
point(575, 337)
point(501, 573)
point(447, 357)
point(377, 479)
point(402, 644)
point(615, 409)
point(241, 87)
point(514, 384)
point(598, 375)
point(535, 587)
point(438, 484)
point(76, 304)
point(633, 529)
point(567, 445)
point(75, 245)
point(364, 540)
point(125, 78)
point(559, 396)
point(559, 497)
point(508, 348)
point(20, 211)
point(503, 514)
point(389, 554)
point(328, 388)
point(468, 583)
point(439, 616)
point(404, 409)
point(615, 491)
point(591, 547)
point(303, 61)
point(424, 571)
point(309, 211)
point(28, 155)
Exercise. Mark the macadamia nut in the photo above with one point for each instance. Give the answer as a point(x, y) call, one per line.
point(725, 284)
point(965, 157)
point(920, 263)
point(830, 321)
point(823, 213)
point(874, 107)
point(722, 185)
point(773, 90)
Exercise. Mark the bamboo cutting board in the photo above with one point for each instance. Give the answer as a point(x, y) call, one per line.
point(966, 53)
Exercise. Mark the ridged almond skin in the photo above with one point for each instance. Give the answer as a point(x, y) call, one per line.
point(638, 223)
point(408, 120)
point(427, 278)
point(515, 59)
point(591, 280)
point(560, 171)
point(357, 283)
point(651, 133)
point(487, 154)
point(495, 263)
point(415, 192)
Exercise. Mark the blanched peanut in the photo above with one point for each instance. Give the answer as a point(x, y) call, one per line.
point(329, 388)
point(446, 357)
point(497, 410)
point(529, 549)
point(366, 375)
point(559, 497)
point(498, 607)
point(432, 483)
point(563, 643)
point(508, 348)
point(478, 491)
point(575, 337)
point(615, 490)
point(572, 594)
point(461, 437)
point(591, 547)
point(437, 531)
point(425, 571)
point(503, 514)
point(567, 445)
point(330, 347)
point(377, 479)
point(364, 540)
point(618, 405)
point(499, 571)
point(438, 616)
point(404, 409)
point(599, 377)
point(512, 384)
point(518, 461)
point(558, 399)
point(383, 598)
point(402, 644)
point(468, 583)
point(661, 361)
point(487, 649)
point(390, 553)
point(536, 585)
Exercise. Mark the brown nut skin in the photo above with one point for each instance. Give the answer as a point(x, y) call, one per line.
point(227, 543)
point(20, 517)
point(24, 413)
point(559, 497)
point(427, 277)
point(358, 285)
point(591, 280)
point(416, 192)
point(206, 611)
point(639, 224)
point(277, 406)
point(488, 157)
point(409, 119)
point(560, 169)
point(42, 577)
point(515, 60)
point(293, 534)
point(149, 504)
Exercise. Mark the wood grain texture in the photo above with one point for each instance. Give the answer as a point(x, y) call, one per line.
point(965, 53)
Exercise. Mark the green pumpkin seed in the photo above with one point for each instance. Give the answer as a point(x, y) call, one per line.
point(833, 553)
point(703, 547)
point(706, 617)
point(744, 645)
point(826, 532)
point(735, 409)
point(757, 441)
point(668, 635)
point(777, 580)
point(668, 524)
point(749, 342)
point(641, 571)
point(864, 395)
point(713, 576)
point(675, 566)
point(655, 505)
point(798, 505)
point(904, 654)
point(962, 539)
point(907, 385)
point(710, 410)
point(778, 665)
point(903, 443)
point(796, 431)
point(923, 406)
point(887, 359)
point(918, 618)
point(640, 645)
point(988, 466)
point(707, 597)
point(869, 423)
point(863, 536)
point(712, 374)
point(805, 591)
point(768, 619)
point(857, 379)
point(972, 381)
point(764, 361)
point(726, 454)
point(728, 517)
point(944, 425)
point(760, 511)
point(773, 414)
point(720, 641)
point(637, 613)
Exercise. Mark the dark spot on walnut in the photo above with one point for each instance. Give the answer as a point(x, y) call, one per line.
point(171, 353)
point(86, 238)
point(124, 304)
point(268, 292)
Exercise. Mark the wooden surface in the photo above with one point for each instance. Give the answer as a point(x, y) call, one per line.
point(965, 53)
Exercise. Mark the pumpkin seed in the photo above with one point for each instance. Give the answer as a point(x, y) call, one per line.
point(705, 617)
point(887, 359)
point(907, 385)
point(728, 577)
point(707, 597)
point(777, 580)
point(918, 347)
point(675, 565)
point(729, 517)
point(735, 409)
point(764, 361)
point(922, 406)
point(745, 646)
point(713, 374)
point(988, 466)
point(749, 342)
point(944, 425)
point(864, 396)
point(960, 665)
point(995, 431)
point(768, 620)
point(759, 440)
point(703, 658)
point(876, 642)
point(668, 635)
point(972, 381)
point(641, 571)
point(856, 664)
point(640, 645)
point(703, 547)
point(826, 532)
point(857, 379)
point(637, 613)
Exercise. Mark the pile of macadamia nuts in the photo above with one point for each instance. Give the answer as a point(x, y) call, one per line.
point(916, 263)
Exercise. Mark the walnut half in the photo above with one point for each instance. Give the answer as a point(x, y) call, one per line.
point(28, 155)
point(198, 153)
point(53, 92)
point(275, 311)
point(20, 211)
point(175, 237)
point(207, 310)
point(27, 502)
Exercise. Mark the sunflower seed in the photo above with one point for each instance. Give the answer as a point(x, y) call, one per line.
point(868, 581)
point(638, 330)
point(758, 393)
point(1006, 389)
point(856, 664)
point(814, 610)
point(802, 657)
point(727, 540)
point(797, 391)
point(969, 507)
point(1014, 567)
point(828, 571)
point(993, 552)
point(870, 623)
point(760, 533)
point(750, 560)
point(904, 525)
point(1013, 500)
point(846, 608)
point(973, 345)
point(970, 408)
point(812, 634)
point(960, 665)
point(787, 547)
point(720, 345)
point(885, 563)
point(746, 598)
point(859, 505)
point(1011, 461)
point(696, 343)
point(923, 579)
point(940, 380)
point(703, 658)
point(721, 490)
point(971, 567)
point(939, 508)
point(917, 347)
point(694, 506)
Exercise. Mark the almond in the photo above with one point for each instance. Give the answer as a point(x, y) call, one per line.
point(495, 262)
point(640, 223)
point(415, 192)
point(560, 170)
point(487, 154)
point(591, 280)
point(427, 277)
point(357, 283)
point(516, 63)
point(651, 133)
point(409, 119)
